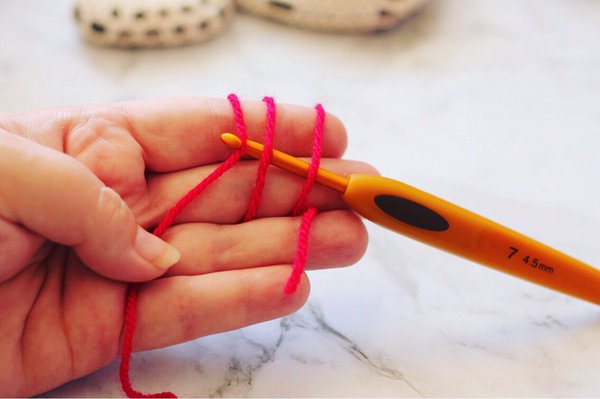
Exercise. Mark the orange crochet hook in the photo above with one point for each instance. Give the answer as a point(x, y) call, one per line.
point(439, 223)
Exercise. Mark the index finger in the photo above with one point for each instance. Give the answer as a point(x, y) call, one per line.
point(179, 133)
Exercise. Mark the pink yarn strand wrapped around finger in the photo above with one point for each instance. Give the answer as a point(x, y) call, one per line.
point(233, 158)
point(301, 204)
point(265, 161)
point(132, 292)
point(315, 161)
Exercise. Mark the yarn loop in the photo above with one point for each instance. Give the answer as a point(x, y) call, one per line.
point(301, 207)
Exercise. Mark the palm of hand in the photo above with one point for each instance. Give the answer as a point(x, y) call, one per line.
point(62, 320)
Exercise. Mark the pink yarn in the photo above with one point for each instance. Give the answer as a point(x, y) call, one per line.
point(300, 206)
point(301, 252)
point(265, 161)
point(126, 348)
point(315, 161)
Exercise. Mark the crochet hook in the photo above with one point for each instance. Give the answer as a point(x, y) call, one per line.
point(439, 223)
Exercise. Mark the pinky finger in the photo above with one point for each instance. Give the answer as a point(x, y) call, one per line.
point(182, 308)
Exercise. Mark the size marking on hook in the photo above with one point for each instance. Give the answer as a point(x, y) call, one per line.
point(531, 261)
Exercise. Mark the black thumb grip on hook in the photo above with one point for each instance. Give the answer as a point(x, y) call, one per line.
point(410, 212)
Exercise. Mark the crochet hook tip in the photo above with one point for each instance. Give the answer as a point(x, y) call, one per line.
point(231, 140)
point(288, 162)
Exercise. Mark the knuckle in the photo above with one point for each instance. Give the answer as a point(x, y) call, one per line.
point(111, 209)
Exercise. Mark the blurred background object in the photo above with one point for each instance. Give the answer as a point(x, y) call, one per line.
point(492, 104)
point(344, 16)
point(160, 23)
point(152, 23)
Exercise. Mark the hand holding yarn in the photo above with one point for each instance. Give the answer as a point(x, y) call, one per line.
point(80, 188)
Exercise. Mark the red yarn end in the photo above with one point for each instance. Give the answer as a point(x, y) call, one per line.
point(302, 252)
point(126, 350)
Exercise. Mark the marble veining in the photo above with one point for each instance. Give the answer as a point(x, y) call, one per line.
point(240, 373)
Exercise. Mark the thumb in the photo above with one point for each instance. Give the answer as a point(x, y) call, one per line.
point(57, 197)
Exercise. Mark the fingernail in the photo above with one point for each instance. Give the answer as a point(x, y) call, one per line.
point(155, 250)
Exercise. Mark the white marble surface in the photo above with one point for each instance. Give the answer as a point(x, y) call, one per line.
point(493, 104)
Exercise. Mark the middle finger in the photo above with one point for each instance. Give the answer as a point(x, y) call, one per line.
point(226, 200)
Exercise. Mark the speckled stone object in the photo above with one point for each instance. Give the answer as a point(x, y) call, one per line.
point(344, 16)
point(158, 23)
point(152, 23)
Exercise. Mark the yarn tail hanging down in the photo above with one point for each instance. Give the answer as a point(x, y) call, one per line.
point(300, 208)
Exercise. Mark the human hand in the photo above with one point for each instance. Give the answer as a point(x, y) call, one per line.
point(78, 182)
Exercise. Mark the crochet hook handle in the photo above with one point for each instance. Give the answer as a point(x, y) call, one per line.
point(434, 221)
